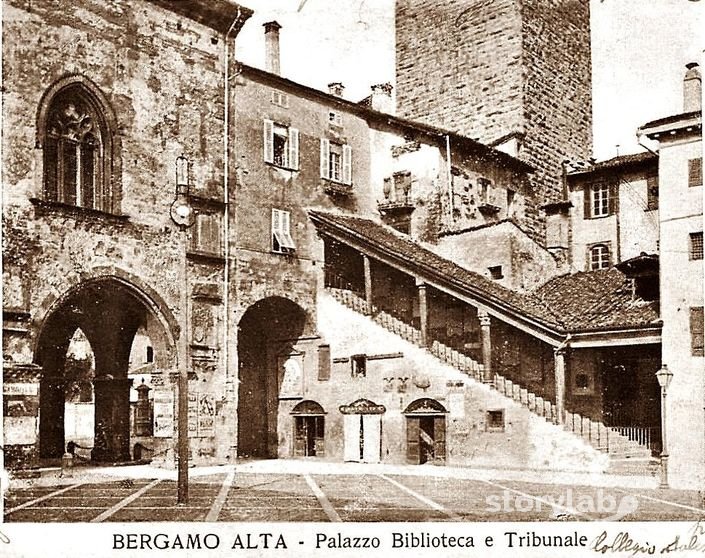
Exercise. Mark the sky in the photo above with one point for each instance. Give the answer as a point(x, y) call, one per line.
point(639, 52)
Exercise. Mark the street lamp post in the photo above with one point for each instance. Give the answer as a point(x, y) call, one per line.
point(182, 215)
point(664, 377)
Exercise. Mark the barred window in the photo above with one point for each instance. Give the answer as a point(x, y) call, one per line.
point(599, 256)
point(696, 246)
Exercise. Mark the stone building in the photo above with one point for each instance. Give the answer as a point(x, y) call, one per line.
point(514, 74)
point(614, 213)
point(115, 92)
point(679, 139)
point(360, 285)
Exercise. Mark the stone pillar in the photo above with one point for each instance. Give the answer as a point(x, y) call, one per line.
point(423, 312)
point(112, 419)
point(559, 369)
point(368, 281)
point(51, 417)
point(486, 341)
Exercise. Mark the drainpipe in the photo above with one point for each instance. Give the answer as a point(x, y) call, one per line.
point(450, 181)
point(226, 201)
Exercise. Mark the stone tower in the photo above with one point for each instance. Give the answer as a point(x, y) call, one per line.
point(515, 74)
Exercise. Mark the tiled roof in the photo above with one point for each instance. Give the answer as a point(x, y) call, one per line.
point(672, 119)
point(596, 300)
point(621, 161)
point(577, 302)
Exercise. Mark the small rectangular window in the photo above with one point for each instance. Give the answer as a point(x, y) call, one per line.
point(695, 172)
point(599, 257)
point(495, 420)
point(696, 246)
point(282, 243)
point(496, 272)
point(696, 331)
point(484, 187)
point(652, 192)
point(358, 366)
point(280, 99)
point(510, 198)
point(336, 162)
point(335, 118)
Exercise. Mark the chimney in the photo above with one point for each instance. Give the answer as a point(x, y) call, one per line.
point(382, 98)
point(271, 46)
point(692, 88)
point(336, 88)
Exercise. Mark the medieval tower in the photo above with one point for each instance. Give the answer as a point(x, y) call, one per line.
point(514, 74)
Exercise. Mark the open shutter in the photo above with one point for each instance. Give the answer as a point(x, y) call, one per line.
point(323, 363)
point(268, 141)
point(439, 438)
point(613, 193)
point(412, 440)
point(347, 164)
point(276, 230)
point(293, 148)
point(325, 156)
point(587, 201)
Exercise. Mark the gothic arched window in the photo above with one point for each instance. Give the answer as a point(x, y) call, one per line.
point(78, 149)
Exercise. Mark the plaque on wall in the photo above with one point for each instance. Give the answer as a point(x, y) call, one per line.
point(206, 414)
point(163, 413)
point(291, 372)
point(456, 405)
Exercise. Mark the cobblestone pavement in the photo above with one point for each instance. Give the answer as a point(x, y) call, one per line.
point(231, 494)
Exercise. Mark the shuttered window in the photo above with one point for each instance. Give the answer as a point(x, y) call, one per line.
point(323, 363)
point(336, 161)
point(695, 172)
point(696, 331)
point(282, 243)
point(281, 145)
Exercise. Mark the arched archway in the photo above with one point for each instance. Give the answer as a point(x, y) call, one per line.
point(267, 334)
point(109, 311)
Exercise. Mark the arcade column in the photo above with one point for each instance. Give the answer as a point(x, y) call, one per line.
point(112, 419)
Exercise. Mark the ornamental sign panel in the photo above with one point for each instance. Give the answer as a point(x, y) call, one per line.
point(363, 407)
point(291, 372)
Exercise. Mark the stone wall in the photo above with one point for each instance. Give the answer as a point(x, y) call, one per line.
point(161, 78)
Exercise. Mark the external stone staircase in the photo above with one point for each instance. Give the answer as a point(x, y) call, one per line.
point(627, 454)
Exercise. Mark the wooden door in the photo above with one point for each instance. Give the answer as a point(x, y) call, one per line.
point(351, 437)
point(412, 441)
point(372, 438)
point(439, 436)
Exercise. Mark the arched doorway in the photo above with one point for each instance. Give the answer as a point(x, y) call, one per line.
point(268, 330)
point(309, 429)
point(362, 431)
point(425, 432)
point(108, 311)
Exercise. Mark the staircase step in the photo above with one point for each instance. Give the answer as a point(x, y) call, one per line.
point(619, 447)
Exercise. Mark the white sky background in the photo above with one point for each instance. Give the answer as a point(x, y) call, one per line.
point(639, 52)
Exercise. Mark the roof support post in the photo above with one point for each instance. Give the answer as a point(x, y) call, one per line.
point(368, 281)
point(423, 311)
point(559, 371)
point(486, 342)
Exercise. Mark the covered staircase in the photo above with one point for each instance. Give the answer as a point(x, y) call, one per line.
point(629, 449)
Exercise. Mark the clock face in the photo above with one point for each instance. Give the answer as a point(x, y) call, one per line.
point(182, 213)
